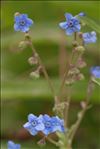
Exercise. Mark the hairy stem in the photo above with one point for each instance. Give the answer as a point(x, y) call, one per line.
point(84, 109)
point(42, 65)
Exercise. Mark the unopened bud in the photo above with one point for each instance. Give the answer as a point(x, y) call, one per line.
point(73, 71)
point(33, 60)
point(75, 43)
point(22, 45)
point(17, 14)
point(42, 142)
point(80, 76)
point(80, 35)
point(80, 49)
point(81, 63)
point(35, 74)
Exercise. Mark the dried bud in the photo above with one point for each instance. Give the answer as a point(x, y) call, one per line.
point(35, 74)
point(81, 63)
point(80, 35)
point(80, 76)
point(73, 71)
point(75, 44)
point(17, 14)
point(42, 142)
point(80, 49)
point(70, 81)
point(22, 45)
point(27, 36)
point(33, 60)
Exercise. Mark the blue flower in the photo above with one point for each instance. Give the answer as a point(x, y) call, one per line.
point(71, 25)
point(89, 37)
point(52, 124)
point(12, 145)
point(95, 71)
point(34, 124)
point(81, 14)
point(22, 22)
point(58, 124)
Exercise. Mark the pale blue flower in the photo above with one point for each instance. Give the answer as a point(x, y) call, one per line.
point(52, 124)
point(81, 14)
point(22, 22)
point(71, 25)
point(12, 145)
point(58, 124)
point(34, 124)
point(89, 37)
point(95, 71)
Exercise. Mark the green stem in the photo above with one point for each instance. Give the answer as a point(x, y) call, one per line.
point(82, 113)
point(43, 67)
point(52, 141)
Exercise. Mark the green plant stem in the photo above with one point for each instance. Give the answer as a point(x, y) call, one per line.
point(52, 141)
point(43, 68)
point(84, 109)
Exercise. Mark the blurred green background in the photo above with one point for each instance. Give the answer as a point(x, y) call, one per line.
point(22, 95)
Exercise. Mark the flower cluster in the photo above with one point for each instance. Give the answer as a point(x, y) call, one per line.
point(12, 145)
point(73, 24)
point(95, 71)
point(44, 123)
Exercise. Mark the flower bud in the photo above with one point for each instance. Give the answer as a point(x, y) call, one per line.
point(80, 76)
point(75, 44)
point(80, 35)
point(42, 142)
point(73, 71)
point(81, 63)
point(80, 49)
point(22, 45)
point(17, 14)
point(35, 74)
point(33, 60)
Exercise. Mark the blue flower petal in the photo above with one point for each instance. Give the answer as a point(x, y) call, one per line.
point(95, 71)
point(17, 19)
point(63, 25)
point(12, 145)
point(25, 29)
point(27, 125)
point(16, 27)
point(40, 127)
point(31, 117)
point(68, 16)
point(33, 131)
point(29, 22)
point(78, 27)
point(69, 31)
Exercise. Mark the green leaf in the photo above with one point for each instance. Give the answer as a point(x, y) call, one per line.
point(90, 23)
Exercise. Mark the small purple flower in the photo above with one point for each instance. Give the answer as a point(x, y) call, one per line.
point(95, 71)
point(34, 124)
point(52, 124)
point(89, 37)
point(81, 14)
point(12, 145)
point(22, 22)
point(71, 25)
